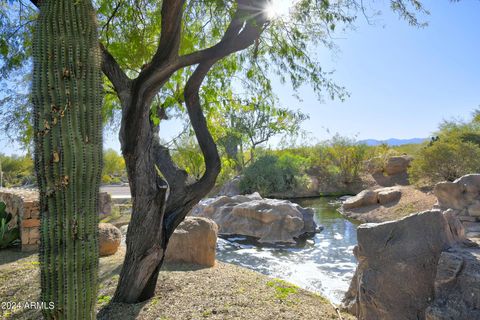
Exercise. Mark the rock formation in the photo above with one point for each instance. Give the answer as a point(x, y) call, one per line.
point(269, 220)
point(457, 286)
point(462, 198)
point(397, 265)
point(194, 241)
point(109, 238)
point(422, 266)
point(231, 188)
point(367, 198)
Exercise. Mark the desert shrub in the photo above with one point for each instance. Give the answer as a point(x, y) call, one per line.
point(445, 159)
point(17, 170)
point(346, 158)
point(9, 234)
point(453, 152)
point(114, 170)
point(272, 173)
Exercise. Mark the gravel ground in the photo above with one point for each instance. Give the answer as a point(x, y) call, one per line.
point(183, 292)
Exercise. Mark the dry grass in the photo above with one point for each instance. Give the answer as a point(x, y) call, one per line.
point(183, 292)
point(412, 201)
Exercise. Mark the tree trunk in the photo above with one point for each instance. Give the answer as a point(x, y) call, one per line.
point(155, 212)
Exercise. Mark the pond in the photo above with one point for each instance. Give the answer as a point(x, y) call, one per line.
point(324, 264)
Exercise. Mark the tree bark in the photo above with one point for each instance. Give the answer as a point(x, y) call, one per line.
point(161, 196)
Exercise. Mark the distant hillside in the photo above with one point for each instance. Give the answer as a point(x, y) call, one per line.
point(393, 142)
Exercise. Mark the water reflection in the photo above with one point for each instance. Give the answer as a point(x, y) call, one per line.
point(324, 264)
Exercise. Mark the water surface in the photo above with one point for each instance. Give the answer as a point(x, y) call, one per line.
point(324, 264)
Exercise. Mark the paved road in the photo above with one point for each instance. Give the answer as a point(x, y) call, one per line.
point(117, 192)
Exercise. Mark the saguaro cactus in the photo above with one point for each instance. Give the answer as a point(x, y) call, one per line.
point(67, 99)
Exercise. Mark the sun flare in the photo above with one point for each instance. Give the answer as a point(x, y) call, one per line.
point(279, 8)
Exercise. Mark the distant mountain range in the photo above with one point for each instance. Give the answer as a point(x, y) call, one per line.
point(392, 142)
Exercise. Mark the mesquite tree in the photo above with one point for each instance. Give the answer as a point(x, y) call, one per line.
point(67, 100)
point(156, 54)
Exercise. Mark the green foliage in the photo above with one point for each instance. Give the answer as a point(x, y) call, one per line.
point(67, 99)
point(445, 160)
point(113, 167)
point(9, 234)
point(187, 155)
point(347, 157)
point(452, 153)
point(17, 170)
point(283, 289)
point(271, 173)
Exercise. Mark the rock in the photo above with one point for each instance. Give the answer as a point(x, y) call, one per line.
point(269, 220)
point(109, 238)
point(397, 165)
point(450, 195)
point(474, 209)
point(388, 195)
point(231, 188)
point(457, 285)
point(363, 199)
point(397, 265)
point(104, 204)
point(194, 241)
point(344, 198)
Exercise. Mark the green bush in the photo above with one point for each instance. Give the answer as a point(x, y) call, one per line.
point(9, 235)
point(445, 160)
point(346, 158)
point(17, 170)
point(271, 174)
point(454, 152)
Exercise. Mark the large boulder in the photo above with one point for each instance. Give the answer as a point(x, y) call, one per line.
point(397, 165)
point(462, 198)
point(397, 265)
point(457, 285)
point(269, 220)
point(109, 238)
point(194, 241)
point(388, 195)
point(231, 188)
point(367, 198)
point(363, 199)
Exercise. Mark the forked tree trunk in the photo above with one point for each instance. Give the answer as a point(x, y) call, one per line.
point(159, 207)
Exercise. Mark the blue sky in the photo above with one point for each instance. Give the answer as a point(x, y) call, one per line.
point(403, 81)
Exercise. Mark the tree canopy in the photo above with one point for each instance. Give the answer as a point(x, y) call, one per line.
point(130, 30)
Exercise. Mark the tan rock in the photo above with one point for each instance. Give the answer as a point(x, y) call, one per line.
point(388, 195)
point(474, 209)
point(109, 238)
point(457, 285)
point(194, 241)
point(398, 264)
point(363, 199)
point(397, 165)
point(269, 220)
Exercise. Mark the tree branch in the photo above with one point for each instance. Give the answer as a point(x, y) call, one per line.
point(246, 26)
point(115, 74)
point(172, 14)
point(199, 189)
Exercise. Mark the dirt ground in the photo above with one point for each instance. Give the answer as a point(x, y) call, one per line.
point(412, 201)
point(183, 292)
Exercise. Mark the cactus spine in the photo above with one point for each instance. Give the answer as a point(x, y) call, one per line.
point(67, 99)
